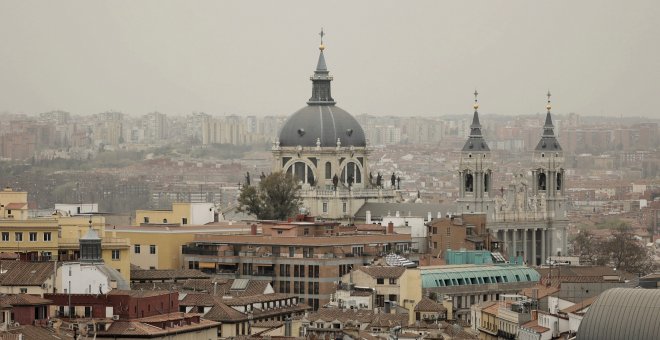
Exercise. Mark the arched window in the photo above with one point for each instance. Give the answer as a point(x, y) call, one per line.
point(559, 179)
point(469, 183)
point(351, 171)
point(541, 181)
point(301, 172)
point(328, 170)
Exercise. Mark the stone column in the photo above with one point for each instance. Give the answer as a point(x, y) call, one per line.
point(505, 243)
point(543, 254)
point(534, 246)
point(515, 242)
point(525, 245)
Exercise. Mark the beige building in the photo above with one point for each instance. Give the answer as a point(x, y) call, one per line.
point(159, 247)
point(392, 286)
point(180, 214)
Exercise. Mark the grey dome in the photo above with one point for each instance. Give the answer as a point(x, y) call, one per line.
point(325, 122)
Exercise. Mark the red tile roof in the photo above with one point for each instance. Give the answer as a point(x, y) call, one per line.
point(21, 273)
point(383, 271)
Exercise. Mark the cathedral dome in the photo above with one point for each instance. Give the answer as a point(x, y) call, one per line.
point(321, 122)
point(325, 123)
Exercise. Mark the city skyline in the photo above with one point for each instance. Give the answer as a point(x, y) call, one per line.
point(235, 58)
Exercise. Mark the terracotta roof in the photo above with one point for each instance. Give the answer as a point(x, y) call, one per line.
point(198, 299)
point(542, 290)
point(304, 241)
point(222, 312)
point(383, 271)
point(140, 328)
point(428, 305)
point(244, 300)
point(21, 273)
point(268, 324)
point(492, 309)
point(360, 316)
point(16, 206)
point(166, 274)
point(534, 326)
point(580, 305)
point(23, 300)
point(138, 293)
point(30, 332)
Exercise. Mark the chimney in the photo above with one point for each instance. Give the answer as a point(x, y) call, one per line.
point(429, 216)
point(368, 217)
point(390, 228)
point(253, 229)
point(397, 214)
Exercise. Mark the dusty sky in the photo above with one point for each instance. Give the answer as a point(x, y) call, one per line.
point(598, 57)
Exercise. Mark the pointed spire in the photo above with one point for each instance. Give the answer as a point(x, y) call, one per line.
point(548, 140)
point(548, 128)
point(475, 141)
point(321, 94)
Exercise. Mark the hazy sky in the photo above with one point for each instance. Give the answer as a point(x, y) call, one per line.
point(387, 57)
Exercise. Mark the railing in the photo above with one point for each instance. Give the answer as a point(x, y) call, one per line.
point(75, 242)
point(191, 250)
point(347, 193)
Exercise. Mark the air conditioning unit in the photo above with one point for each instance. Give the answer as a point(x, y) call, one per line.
point(115, 317)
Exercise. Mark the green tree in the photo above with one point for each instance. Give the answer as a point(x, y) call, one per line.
point(627, 253)
point(276, 198)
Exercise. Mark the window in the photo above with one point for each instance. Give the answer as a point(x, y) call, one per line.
point(328, 170)
point(380, 281)
point(115, 254)
point(152, 249)
point(343, 206)
point(164, 220)
point(33, 237)
point(146, 219)
point(18, 237)
point(23, 290)
point(5, 236)
point(184, 221)
point(47, 237)
point(392, 281)
point(325, 207)
point(358, 250)
point(136, 248)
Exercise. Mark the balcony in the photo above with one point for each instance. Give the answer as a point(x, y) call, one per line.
point(106, 242)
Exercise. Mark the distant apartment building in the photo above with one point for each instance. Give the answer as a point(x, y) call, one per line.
point(180, 214)
point(155, 126)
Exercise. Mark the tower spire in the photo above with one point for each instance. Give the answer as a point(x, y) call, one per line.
point(321, 94)
point(548, 139)
point(475, 141)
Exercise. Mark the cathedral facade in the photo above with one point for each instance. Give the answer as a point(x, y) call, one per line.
point(529, 215)
point(324, 148)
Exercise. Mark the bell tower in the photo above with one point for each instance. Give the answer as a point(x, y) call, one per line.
point(475, 171)
point(548, 174)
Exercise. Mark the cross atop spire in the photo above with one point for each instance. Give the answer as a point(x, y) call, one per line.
point(321, 80)
point(321, 34)
point(476, 100)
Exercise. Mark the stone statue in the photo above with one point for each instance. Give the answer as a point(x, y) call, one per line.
point(398, 183)
point(350, 180)
point(263, 176)
point(335, 181)
point(379, 180)
point(247, 179)
point(393, 180)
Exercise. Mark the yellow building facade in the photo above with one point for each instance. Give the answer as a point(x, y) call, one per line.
point(160, 247)
point(55, 237)
point(180, 214)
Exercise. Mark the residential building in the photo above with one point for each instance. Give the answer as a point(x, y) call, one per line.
point(180, 214)
point(21, 277)
point(334, 323)
point(391, 286)
point(170, 326)
point(25, 309)
point(159, 247)
point(303, 258)
point(467, 285)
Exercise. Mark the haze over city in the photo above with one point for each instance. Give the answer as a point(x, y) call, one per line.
point(237, 57)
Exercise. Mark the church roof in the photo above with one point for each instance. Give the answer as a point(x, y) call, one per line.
point(623, 313)
point(321, 123)
point(476, 141)
point(548, 140)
